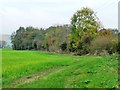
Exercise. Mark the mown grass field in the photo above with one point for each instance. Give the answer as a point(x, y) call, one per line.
point(36, 69)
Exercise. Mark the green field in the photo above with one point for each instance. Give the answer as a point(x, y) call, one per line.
point(37, 69)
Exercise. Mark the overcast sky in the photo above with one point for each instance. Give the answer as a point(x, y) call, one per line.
point(44, 13)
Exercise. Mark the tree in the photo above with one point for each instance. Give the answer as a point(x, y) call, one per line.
point(27, 39)
point(84, 26)
point(38, 42)
point(16, 38)
point(13, 40)
point(56, 37)
point(3, 44)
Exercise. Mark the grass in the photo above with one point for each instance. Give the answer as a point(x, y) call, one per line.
point(0, 68)
point(36, 69)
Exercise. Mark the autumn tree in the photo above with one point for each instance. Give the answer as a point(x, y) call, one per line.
point(84, 26)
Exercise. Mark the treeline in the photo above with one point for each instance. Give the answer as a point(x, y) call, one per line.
point(53, 39)
point(85, 35)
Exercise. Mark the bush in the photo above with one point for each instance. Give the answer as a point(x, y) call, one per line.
point(101, 43)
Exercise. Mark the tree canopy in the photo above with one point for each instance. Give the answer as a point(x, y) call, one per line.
point(84, 25)
point(83, 36)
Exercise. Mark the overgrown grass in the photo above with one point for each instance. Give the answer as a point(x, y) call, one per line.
point(66, 71)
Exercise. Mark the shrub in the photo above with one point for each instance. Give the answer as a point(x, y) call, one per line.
point(101, 43)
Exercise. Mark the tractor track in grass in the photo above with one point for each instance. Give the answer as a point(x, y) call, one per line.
point(42, 74)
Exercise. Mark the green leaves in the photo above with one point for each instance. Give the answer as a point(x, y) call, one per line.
point(27, 38)
point(84, 25)
point(57, 38)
